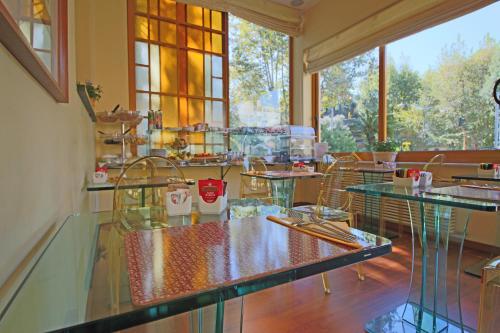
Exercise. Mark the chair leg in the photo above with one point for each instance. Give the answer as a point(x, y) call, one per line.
point(326, 283)
point(361, 274)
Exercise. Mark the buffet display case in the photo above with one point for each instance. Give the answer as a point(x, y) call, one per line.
point(280, 144)
point(200, 144)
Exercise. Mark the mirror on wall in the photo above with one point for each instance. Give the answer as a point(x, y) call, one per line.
point(35, 32)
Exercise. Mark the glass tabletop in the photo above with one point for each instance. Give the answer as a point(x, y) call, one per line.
point(280, 175)
point(476, 177)
point(139, 184)
point(434, 195)
point(94, 275)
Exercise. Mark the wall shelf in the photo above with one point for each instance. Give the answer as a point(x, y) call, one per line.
point(84, 96)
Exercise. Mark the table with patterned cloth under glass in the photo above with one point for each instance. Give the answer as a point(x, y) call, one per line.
point(426, 308)
point(94, 276)
point(282, 183)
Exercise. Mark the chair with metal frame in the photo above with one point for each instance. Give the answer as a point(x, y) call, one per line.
point(334, 203)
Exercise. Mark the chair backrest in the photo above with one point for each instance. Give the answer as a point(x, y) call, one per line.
point(253, 187)
point(435, 165)
point(130, 195)
point(332, 191)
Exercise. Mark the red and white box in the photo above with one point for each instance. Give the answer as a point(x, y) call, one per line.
point(212, 196)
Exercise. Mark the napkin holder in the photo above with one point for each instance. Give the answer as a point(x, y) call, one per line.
point(409, 182)
point(178, 202)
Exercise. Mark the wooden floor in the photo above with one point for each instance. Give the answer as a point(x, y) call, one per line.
point(302, 306)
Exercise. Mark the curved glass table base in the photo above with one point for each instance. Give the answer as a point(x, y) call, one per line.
point(426, 309)
point(392, 322)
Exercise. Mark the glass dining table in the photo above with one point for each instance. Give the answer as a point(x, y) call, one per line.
point(426, 308)
point(282, 183)
point(94, 276)
point(482, 182)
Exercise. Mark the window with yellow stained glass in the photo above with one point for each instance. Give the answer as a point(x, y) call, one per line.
point(178, 63)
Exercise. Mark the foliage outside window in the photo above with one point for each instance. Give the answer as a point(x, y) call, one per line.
point(349, 104)
point(259, 75)
point(446, 103)
point(443, 102)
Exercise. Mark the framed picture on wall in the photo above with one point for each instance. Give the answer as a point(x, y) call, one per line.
point(36, 33)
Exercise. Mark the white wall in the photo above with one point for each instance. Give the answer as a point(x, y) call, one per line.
point(47, 151)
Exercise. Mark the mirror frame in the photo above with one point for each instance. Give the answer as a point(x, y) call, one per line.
point(13, 40)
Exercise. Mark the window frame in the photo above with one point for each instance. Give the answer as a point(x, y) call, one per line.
point(13, 39)
point(131, 39)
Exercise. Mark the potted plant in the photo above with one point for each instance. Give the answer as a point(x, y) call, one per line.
point(94, 92)
point(385, 151)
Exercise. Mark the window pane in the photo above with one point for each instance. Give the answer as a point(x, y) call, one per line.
point(142, 102)
point(195, 38)
point(440, 82)
point(155, 68)
point(46, 58)
point(168, 59)
point(42, 36)
point(168, 33)
point(349, 104)
point(141, 27)
point(170, 113)
point(258, 97)
point(155, 102)
point(25, 27)
point(141, 6)
point(168, 9)
point(153, 29)
point(195, 74)
point(141, 78)
point(208, 76)
point(153, 7)
point(216, 43)
point(217, 66)
point(218, 114)
point(208, 113)
point(183, 112)
point(194, 15)
point(195, 107)
point(216, 20)
point(141, 53)
point(217, 88)
point(208, 42)
point(206, 17)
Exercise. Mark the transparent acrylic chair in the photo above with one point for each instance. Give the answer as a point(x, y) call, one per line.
point(253, 187)
point(334, 203)
point(137, 202)
point(489, 302)
point(435, 165)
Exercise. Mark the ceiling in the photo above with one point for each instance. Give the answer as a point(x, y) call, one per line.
point(306, 4)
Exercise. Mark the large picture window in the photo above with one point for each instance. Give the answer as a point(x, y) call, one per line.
point(180, 62)
point(439, 85)
point(259, 70)
point(349, 104)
